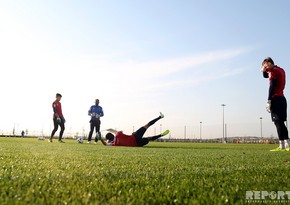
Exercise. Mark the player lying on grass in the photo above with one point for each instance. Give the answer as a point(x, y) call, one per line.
point(136, 139)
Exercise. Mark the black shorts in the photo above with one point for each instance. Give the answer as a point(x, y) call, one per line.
point(95, 123)
point(279, 108)
point(139, 137)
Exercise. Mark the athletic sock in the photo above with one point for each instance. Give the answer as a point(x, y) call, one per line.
point(286, 142)
point(281, 144)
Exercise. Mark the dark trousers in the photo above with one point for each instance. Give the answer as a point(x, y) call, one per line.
point(281, 130)
point(56, 124)
point(139, 137)
point(94, 124)
point(140, 133)
point(279, 116)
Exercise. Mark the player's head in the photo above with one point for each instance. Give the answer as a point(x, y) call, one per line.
point(268, 63)
point(58, 96)
point(97, 102)
point(110, 136)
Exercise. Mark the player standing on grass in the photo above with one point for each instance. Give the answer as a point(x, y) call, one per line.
point(95, 112)
point(277, 104)
point(136, 139)
point(58, 119)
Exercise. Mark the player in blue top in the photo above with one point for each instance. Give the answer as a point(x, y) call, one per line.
point(95, 112)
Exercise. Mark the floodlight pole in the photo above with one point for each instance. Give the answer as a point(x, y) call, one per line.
point(13, 129)
point(200, 127)
point(261, 125)
point(226, 132)
point(223, 105)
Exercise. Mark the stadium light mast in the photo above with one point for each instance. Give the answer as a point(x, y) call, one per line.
point(200, 129)
point(261, 124)
point(13, 131)
point(223, 105)
point(226, 132)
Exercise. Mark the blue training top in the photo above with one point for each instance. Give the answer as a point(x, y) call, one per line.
point(96, 111)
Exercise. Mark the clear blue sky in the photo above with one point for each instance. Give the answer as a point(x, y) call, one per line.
point(184, 58)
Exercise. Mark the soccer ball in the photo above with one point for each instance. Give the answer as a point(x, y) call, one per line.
point(80, 140)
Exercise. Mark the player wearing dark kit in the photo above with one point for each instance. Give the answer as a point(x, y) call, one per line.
point(136, 139)
point(277, 104)
point(58, 119)
point(95, 112)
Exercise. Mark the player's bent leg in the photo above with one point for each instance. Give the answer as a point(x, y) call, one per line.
point(152, 122)
point(139, 134)
point(55, 128)
point(53, 132)
point(61, 132)
point(158, 136)
point(142, 142)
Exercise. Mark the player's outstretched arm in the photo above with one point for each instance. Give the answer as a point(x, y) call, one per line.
point(104, 142)
point(111, 130)
point(109, 143)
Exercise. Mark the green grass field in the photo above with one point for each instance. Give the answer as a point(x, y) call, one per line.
point(38, 172)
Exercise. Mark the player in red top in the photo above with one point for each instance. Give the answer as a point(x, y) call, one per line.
point(58, 119)
point(277, 104)
point(136, 139)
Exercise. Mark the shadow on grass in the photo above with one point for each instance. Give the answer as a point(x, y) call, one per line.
point(185, 147)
